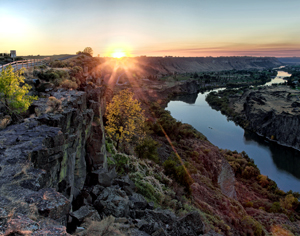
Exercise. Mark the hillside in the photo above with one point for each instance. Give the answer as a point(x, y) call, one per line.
point(167, 65)
point(61, 174)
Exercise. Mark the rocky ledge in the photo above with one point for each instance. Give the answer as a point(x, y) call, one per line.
point(273, 112)
point(55, 180)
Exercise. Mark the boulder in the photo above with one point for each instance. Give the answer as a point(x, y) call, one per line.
point(81, 213)
point(113, 201)
point(189, 225)
point(139, 202)
point(50, 204)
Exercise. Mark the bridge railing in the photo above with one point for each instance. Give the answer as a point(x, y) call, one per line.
point(26, 63)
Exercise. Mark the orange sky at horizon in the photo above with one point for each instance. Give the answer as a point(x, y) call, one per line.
point(158, 28)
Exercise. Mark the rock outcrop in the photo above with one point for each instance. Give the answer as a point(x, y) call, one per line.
point(43, 160)
point(272, 112)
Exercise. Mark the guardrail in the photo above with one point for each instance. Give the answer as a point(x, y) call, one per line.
point(25, 63)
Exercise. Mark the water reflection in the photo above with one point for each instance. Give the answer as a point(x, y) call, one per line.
point(280, 163)
point(285, 158)
point(189, 99)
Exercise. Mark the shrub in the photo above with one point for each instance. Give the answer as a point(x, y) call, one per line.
point(276, 208)
point(121, 162)
point(105, 227)
point(13, 91)
point(68, 84)
point(54, 104)
point(58, 64)
point(288, 202)
point(263, 180)
point(147, 149)
point(75, 71)
point(249, 204)
point(250, 223)
point(178, 172)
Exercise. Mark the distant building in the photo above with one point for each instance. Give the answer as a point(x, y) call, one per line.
point(13, 53)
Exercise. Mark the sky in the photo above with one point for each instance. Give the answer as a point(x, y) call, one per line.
point(151, 27)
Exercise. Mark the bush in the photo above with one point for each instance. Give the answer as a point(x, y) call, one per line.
point(105, 227)
point(54, 104)
point(75, 71)
point(13, 91)
point(276, 208)
point(121, 162)
point(147, 149)
point(68, 84)
point(178, 172)
point(250, 223)
point(58, 64)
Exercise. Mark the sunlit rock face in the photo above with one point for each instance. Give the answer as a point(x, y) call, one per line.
point(49, 151)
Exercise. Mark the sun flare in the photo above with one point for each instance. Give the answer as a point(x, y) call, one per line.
point(118, 54)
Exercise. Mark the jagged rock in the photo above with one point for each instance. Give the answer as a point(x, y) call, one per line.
point(165, 216)
point(160, 232)
point(275, 118)
point(50, 203)
point(102, 177)
point(189, 225)
point(138, 201)
point(97, 189)
point(150, 205)
point(81, 213)
point(113, 201)
point(126, 184)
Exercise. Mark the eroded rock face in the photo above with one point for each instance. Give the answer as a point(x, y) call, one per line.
point(43, 160)
point(271, 112)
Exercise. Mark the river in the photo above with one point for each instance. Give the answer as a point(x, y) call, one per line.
point(279, 163)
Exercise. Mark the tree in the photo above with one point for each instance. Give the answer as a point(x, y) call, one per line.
point(88, 50)
point(13, 91)
point(125, 118)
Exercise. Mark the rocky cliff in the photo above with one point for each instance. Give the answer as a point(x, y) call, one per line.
point(45, 159)
point(273, 112)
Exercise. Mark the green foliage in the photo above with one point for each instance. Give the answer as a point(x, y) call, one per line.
point(147, 190)
point(174, 129)
point(125, 119)
point(178, 172)
point(147, 149)
point(249, 204)
point(75, 71)
point(121, 161)
point(276, 208)
point(249, 223)
point(13, 91)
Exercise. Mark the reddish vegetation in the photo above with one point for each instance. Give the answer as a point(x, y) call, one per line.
point(234, 200)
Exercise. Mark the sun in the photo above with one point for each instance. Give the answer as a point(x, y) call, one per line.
point(118, 54)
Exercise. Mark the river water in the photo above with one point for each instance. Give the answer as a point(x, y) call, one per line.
point(279, 163)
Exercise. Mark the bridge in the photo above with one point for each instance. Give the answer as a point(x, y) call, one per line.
point(17, 65)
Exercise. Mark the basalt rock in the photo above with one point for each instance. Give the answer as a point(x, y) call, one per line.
point(43, 160)
point(271, 112)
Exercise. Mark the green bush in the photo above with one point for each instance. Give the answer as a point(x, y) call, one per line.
point(178, 172)
point(121, 162)
point(75, 71)
point(147, 149)
point(276, 208)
